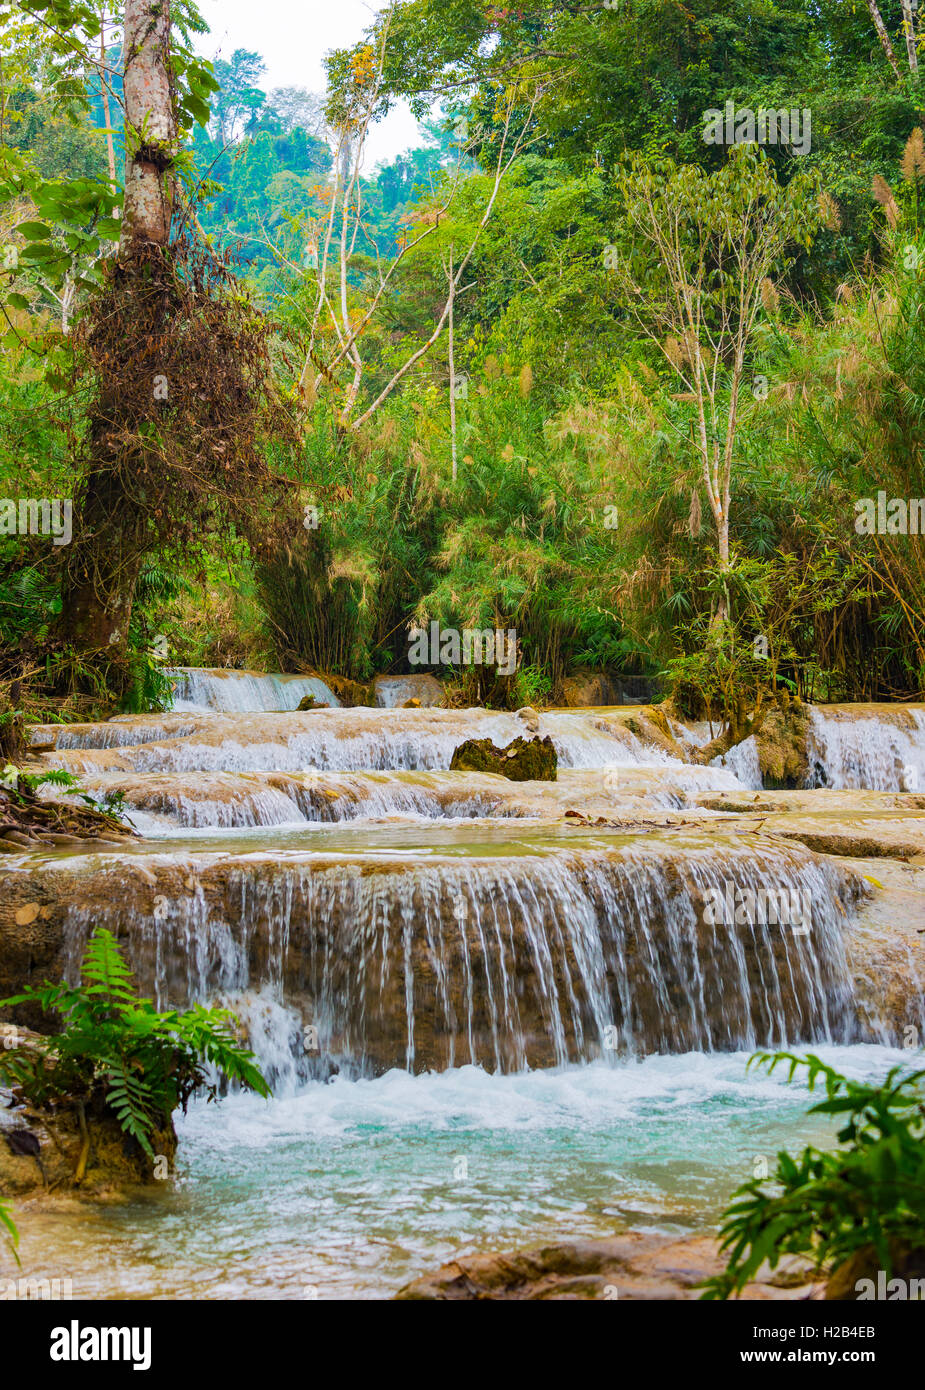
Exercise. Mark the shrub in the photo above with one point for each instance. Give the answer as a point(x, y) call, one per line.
point(869, 1192)
point(117, 1053)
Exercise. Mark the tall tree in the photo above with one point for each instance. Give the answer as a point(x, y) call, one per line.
point(105, 559)
point(693, 272)
point(149, 123)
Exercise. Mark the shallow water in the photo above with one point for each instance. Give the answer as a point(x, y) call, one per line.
point(280, 843)
point(351, 1188)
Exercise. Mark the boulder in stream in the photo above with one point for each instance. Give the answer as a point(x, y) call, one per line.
point(523, 760)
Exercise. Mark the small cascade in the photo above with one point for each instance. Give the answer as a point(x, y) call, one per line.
point(123, 731)
point(522, 960)
point(158, 804)
point(744, 763)
point(336, 740)
point(849, 749)
point(392, 692)
point(242, 692)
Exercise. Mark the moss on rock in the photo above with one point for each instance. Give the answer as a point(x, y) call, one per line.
point(523, 760)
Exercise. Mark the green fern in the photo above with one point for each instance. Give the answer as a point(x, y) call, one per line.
point(869, 1192)
point(117, 1054)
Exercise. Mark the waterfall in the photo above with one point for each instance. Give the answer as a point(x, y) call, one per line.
point(848, 749)
point(337, 740)
point(393, 691)
point(528, 960)
point(743, 762)
point(401, 915)
point(159, 804)
point(242, 692)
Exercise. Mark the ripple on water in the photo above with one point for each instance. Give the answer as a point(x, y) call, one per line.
point(353, 1188)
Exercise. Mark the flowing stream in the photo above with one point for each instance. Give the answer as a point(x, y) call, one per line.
point(484, 1026)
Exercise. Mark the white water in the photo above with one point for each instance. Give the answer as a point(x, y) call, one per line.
point(242, 692)
point(342, 740)
point(350, 1189)
point(510, 953)
point(742, 761)
point(418, 947)
point(864, 752)
point(161, 805)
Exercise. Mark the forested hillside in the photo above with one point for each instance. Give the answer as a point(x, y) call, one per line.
point(589, 364)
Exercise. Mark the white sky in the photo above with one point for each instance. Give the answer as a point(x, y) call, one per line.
point(292, 37)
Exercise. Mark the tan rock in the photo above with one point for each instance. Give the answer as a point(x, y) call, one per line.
point(631, 1266)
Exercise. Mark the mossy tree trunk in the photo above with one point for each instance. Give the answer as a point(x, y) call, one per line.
point(110, 539)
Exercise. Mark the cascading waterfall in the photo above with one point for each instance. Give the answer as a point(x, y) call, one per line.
point(336, 740)
point(439, 947)
point(560, 978)
point(846, 750)
point(531, 960)
point(160, 805)
point(242, 692)
point(744, 763)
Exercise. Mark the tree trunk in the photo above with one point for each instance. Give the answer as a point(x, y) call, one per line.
point(884, 37)
point(106, 556)
point(909, 33)
point(452, 366)
point(149, 123)
point(107, 115)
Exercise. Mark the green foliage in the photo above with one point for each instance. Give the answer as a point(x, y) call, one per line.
point(118, 1054)
point(870, 1191)
point(599, 425)
point(29, 603)
point(11, 1234)
point(113, 803)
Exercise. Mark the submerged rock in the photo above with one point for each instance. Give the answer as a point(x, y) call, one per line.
point(530, 719)
point(523, 760)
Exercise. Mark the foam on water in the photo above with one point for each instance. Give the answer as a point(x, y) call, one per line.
point(351, 1189)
